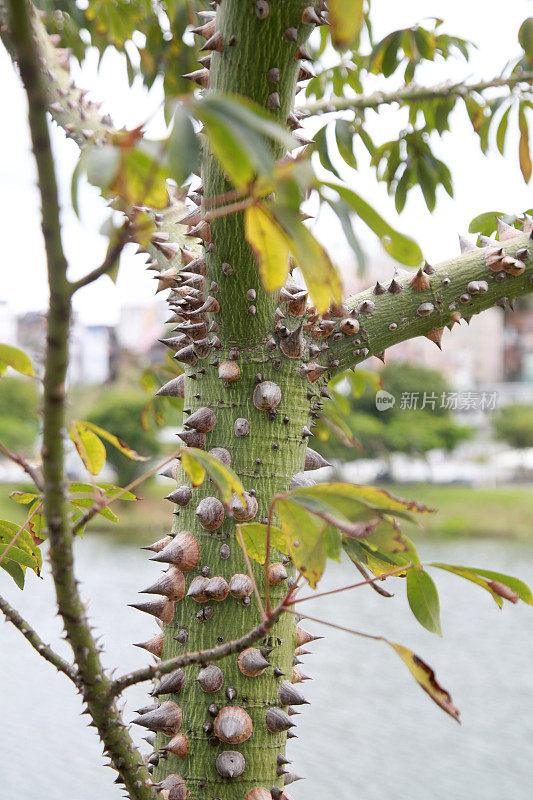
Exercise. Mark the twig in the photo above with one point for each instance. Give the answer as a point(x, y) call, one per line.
point(26, 466)
point(368, 582)
point(107, 264)
point(412, 93)
point(251, 574)
point(231, 208)
point(98, 506)
point(44, 650)
point(201, 656)
point(22, 527)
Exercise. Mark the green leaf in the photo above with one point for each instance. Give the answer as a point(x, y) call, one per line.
point(222, 476)
point(522, 589)
point(183, 150)
point(502, 130)
point(523, 146)
point(15, 570)
point(385, 548)
point(16, 359)
point(89, 446)
point(472, 577)
point(87, 502)
point(116, 442)
point(485, 223)
point(344, 133)
point(8, 530)
point(399, 246)
point(350, 500)
point(321, 147)
point(238, 131)
point(525, 37)
point(270, 245)
point(360, 553)
point(249, 115)
point(305, 540)
point(107, 489)
point(254, 538)
point(101, 165)
point(423, 599)
point(346, 18)
point(332, 543)
point(425, 677)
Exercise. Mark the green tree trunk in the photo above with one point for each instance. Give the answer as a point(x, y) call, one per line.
point(257, 37)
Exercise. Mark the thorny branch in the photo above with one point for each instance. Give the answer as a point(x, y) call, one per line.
point(412, 94)
point(44, 650)
point(93, 680)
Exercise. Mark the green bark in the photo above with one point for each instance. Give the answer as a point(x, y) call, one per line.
point(266, 459)
point(396, 317)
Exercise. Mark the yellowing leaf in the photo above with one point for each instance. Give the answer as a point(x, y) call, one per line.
point(305, 539)
point(194, 461)
point(23, 497)
point(17, 359)
point(377, 562)
point(346, 18)
point(270, 245)
point(89, 446)
point(320, 275)
point(254, 536)
point(114, 440)
point(425, 677)
point(192, 467)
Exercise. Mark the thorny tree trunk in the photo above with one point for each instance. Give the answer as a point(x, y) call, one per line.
point(254, 381)
point(256, 56)
point(258, 382)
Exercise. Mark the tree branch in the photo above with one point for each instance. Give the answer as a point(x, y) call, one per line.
point(413, 94)
point(26, 466)
point(44, 650)
point(112, 256)
point(94, 682)
point(202, 656)
point(80, 118)
point(456, 289)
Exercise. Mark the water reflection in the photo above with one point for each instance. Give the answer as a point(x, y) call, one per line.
point(370, 734)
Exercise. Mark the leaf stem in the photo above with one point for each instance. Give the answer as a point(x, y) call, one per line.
point(369, 581)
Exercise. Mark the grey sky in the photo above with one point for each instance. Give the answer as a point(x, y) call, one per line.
point(481, 184)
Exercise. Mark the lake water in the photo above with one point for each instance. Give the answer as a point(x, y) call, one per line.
point(370, 733)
